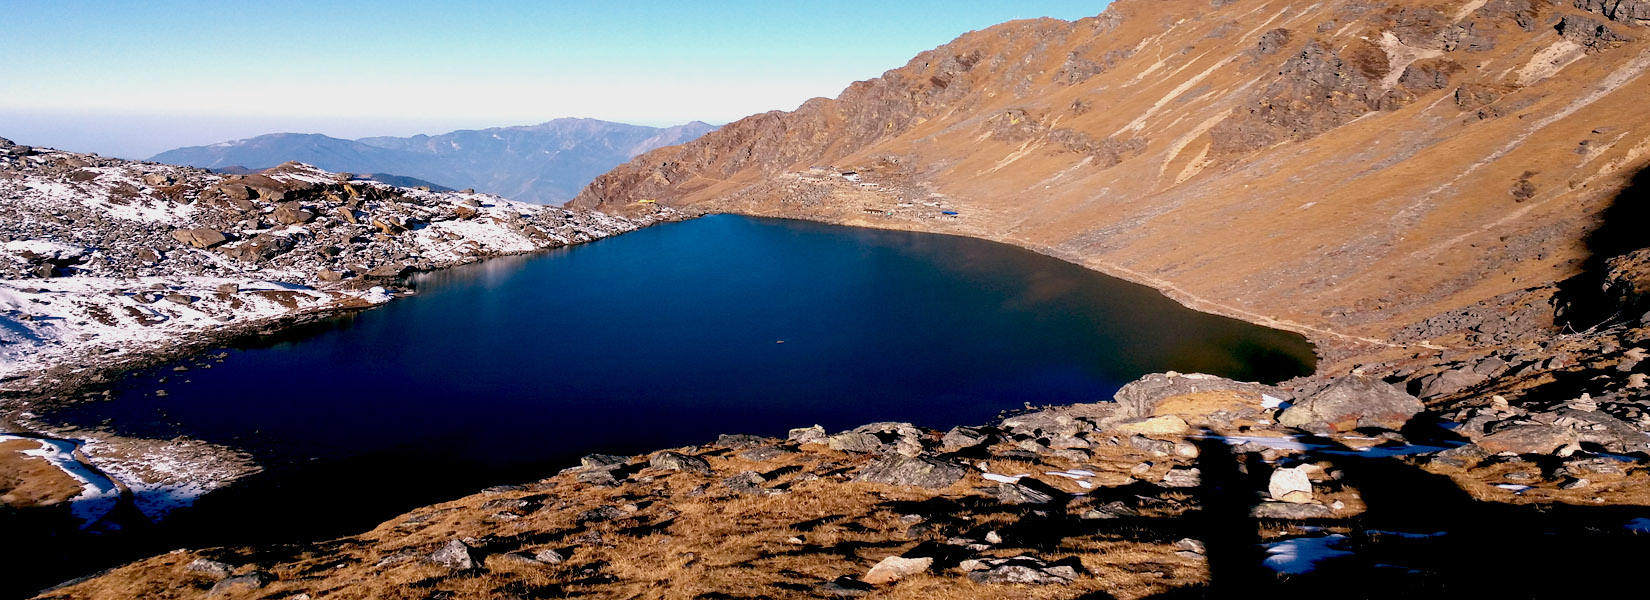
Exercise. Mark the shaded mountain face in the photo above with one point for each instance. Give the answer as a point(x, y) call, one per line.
point(1346, 169)
point(545, 163)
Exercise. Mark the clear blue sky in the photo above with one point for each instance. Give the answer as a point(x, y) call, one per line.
point(134, 78)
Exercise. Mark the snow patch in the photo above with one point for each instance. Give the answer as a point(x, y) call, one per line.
point(1302, 555)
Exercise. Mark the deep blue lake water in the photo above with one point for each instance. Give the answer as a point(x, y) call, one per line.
point(503, 371)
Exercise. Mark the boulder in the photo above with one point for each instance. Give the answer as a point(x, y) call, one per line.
point(599, 514)
point(1590, 33)
point(1151, 446)
point(209, 568)
point(1290, 511)
point(898, 469)
point(454, 555)
point(600, 461)
point(895, 568)
point(1023, 570)
point(1353, 402)
point(890, 428)
point(600, 476)
point(1595, 427)
point(1164, 425)
point(855, 441)
point(764, 453)
point(262, 247)
point(1461, 456)
point(291, 213)
point(386, 271)
point(235, 191)
point(1182, 478)
point(250, 581)
point(1290, 485)
point(741, 441)
point(514, 559)
point(676, 461)
point(1029, 490)
point(199, 237)
point(746, 482)
point(1046, 422)
point(807, 435)
point(1631, 12)
point(268, 188)
point(1450, 382)
point(549, 556)
point(1068, 442)
point(1192, 394)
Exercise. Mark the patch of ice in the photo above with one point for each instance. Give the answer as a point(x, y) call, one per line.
point(1267, 401)
point(1302, 555)
point(1004, 478)
point(99, 494)
point(1409, 536)
point(1620, 457)
point(1291, 443)
point(1280, 443)
point(1513, 487)
point(1390, 451)
point(1071, 474)
point(377, 295)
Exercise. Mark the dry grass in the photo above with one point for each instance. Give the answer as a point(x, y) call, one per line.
point(683, 535)
point(30, 481)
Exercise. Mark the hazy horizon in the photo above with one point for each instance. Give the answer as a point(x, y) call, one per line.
point(140, 136)
point(134, 80)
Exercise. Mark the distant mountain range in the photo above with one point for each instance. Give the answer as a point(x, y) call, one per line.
point(546, 163)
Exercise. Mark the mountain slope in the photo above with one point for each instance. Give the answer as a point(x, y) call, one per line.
point(1344, 169)
point(544, 163)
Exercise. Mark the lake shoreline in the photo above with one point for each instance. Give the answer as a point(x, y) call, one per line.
point(22, 416)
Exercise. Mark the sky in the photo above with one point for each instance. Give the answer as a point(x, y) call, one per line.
point(131, 79)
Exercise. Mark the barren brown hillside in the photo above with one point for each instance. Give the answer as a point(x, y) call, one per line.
point(1347, 169)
